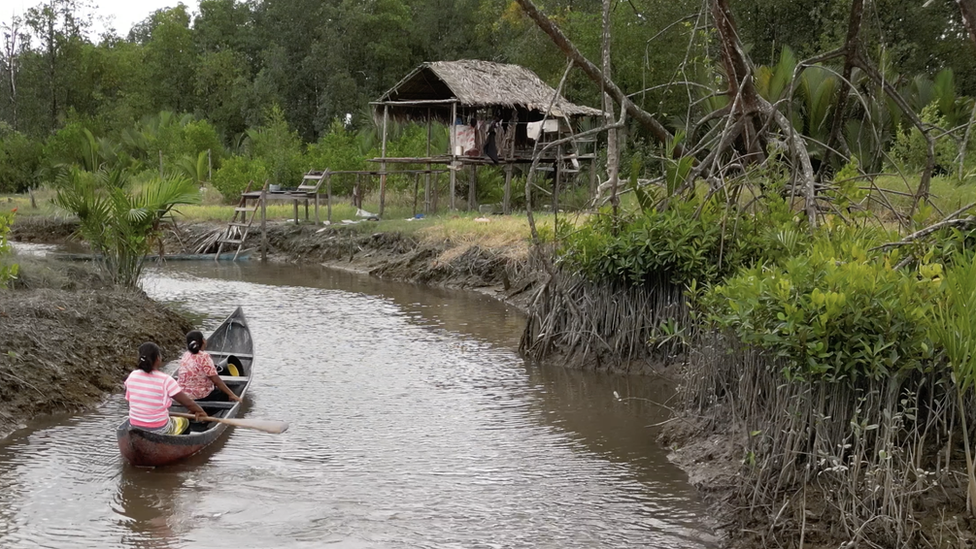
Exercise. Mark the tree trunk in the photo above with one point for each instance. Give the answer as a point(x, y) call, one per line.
point(52, 71)
point(747, 104)
point(850, 53)
point(613, 151)
point(10, 52)
point(643, 117)
point(968, 9)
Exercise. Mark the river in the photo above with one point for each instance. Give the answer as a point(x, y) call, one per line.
point(414, 423)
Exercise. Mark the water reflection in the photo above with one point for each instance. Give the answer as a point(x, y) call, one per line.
point(456, 311)
point(146, 503)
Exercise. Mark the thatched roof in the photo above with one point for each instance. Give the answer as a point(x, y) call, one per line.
point(476, 83)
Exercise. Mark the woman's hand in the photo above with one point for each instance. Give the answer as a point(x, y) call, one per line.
point(233, 397)
point(200, 416)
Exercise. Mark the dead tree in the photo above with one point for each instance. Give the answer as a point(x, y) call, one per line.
point(11, 33)
point(643, 117)
point(751, 115)
point(613, 144)
point(968, 10)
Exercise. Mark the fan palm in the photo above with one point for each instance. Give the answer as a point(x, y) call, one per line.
point(119, 220)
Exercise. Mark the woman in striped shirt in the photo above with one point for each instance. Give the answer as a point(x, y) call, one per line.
point(150, 393)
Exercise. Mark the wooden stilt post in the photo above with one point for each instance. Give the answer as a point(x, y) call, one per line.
point(386, 110)
point(357, 199)
point(433, 192)
point(593, 184)
point(328, 198)
point(416, 192)
point(453, 145)
point(427, 177)
point(556, 172)
point(510, 167)
point(507, 199)
point(473, 188)
point(264, 222)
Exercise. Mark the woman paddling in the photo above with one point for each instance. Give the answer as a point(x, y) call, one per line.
point(150, 393)
point(197, 374)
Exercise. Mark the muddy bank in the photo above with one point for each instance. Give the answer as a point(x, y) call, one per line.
point(505, 272)
point(67, 338)
point(48, 230)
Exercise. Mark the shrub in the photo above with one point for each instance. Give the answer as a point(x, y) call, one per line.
point(8, 271)
point(832, 313)
point(278, 148)
point(235, 173)
point(120, 218)
point(20, 163)
point(910, 150)
point(691, 241)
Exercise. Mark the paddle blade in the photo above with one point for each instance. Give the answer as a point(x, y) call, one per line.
point(266, 425)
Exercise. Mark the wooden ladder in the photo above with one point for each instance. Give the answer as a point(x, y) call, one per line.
point(240, 224)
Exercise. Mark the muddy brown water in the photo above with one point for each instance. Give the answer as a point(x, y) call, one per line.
point(414, 423)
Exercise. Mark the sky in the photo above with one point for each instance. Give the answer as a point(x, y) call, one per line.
point(122, 14)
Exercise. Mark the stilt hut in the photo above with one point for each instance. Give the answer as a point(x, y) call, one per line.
point(496, 112)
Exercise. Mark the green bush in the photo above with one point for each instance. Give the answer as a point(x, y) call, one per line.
point(20, 162)
point(197, 137)
point(279, 149)
point(66, 146)
point(688, 242)
point(337, 150)
point(910, 151)
point(235, 173)
point(832, 313)
point(8, 271)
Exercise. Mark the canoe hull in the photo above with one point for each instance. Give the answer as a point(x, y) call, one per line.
point(146, 449)
point(231, 341)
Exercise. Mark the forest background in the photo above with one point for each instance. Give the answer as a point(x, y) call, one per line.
point(271, 89)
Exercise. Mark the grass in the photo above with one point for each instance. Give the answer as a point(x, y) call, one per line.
point(947, 195)
point(461, 229)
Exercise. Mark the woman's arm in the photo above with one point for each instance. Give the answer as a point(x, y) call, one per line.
point(192, 406)
point(219, 383)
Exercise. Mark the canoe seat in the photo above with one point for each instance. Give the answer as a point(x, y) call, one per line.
point(243, 356)
point(216, 404)
point(238, 355)
point(234, 379)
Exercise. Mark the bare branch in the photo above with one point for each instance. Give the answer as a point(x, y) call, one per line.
point(643, 117)
point(850, 53)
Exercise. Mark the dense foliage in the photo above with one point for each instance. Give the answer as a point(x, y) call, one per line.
point(834, 311)
point(698, 241)
point(8, 270)
point(227, 65)
point(120, 215)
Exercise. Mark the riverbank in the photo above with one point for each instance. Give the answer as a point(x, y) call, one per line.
point(69, 338)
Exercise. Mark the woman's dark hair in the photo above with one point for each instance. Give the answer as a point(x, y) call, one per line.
point(149, 353)
point(194, 341)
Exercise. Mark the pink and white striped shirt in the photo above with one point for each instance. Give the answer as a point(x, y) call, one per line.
point(150, 396)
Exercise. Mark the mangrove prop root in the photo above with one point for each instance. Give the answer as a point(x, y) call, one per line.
point(872, 449)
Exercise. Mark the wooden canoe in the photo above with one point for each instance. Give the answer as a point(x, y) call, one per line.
point(231, 347)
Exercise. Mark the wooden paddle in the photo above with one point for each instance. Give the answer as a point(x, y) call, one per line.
point(266, 425)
